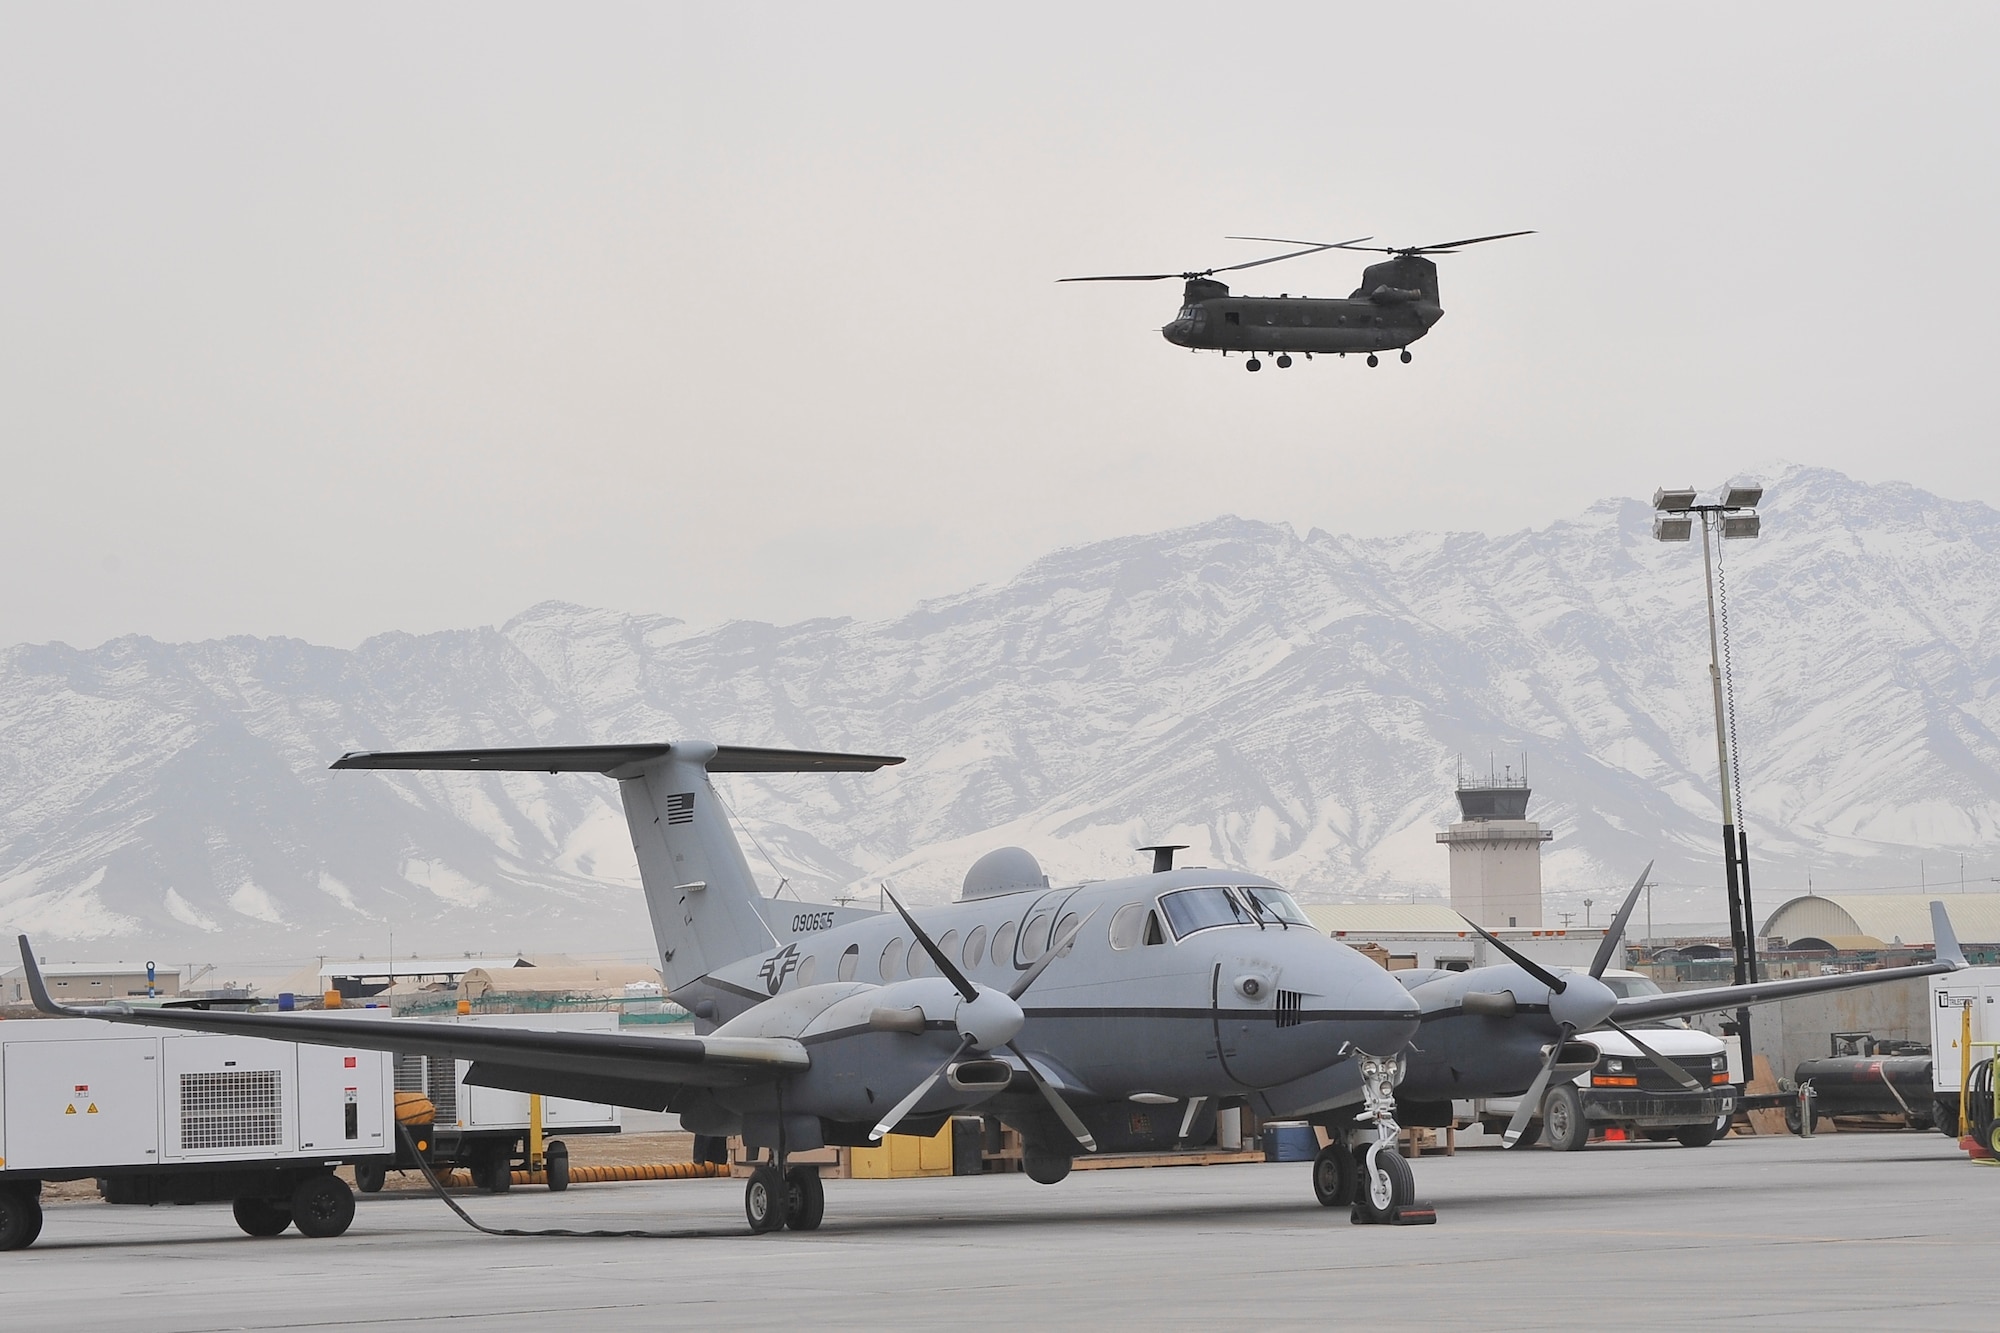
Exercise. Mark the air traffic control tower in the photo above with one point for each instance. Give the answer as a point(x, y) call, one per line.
point(1496, 854)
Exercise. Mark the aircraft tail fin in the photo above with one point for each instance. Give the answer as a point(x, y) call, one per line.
point(699, 890)
point(1947, 938)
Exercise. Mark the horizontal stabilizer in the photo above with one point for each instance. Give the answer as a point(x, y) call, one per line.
point(612, 758)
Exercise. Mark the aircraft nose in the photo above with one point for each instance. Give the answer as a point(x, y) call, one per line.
point(1392, 1014)
point(1173, 334)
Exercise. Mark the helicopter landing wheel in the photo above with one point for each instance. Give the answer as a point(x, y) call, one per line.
point(1406, 356)
point(1284, 361)
point(1253, 365)
point(1374, 360)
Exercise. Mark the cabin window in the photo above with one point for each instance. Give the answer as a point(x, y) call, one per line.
point(807, 966)
point(1232, 317)
point(1190, 910)
point(920, 962)
point(892, 958)
point(1061, 927)
point(1002, 951)
point(975, 946)
point(1275, 905)
point(1035, 936)
point(1128, 925)
point(849, 961)
point(947, 942)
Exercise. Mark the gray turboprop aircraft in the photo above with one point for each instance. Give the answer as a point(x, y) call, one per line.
point(822, 1024)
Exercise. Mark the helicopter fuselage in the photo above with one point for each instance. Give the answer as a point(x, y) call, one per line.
point(1300, 324)
point(1396, 304)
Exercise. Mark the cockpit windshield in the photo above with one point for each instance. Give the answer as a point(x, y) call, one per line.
point(1189, 910)
point(1275, 905)
point(1631, 988)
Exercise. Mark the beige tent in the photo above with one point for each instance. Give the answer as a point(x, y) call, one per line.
point(597, 980)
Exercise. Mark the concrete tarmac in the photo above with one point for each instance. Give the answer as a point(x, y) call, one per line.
point(1847, 1231)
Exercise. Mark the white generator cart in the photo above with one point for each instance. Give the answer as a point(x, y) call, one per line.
point(1973, 993)
point(159, 1117)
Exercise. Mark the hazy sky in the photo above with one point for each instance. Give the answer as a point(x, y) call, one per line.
point(329, 320)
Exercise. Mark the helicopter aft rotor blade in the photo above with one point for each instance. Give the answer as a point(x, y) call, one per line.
point(1311, 248)
point(1440, 248)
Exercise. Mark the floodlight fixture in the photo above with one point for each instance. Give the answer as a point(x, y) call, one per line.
point(1742, 497)
point(1672, 528)
point(1740, 525)
point(1673, 502)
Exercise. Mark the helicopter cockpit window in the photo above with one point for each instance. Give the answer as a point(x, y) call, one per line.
point(1189, 910)
point(1275, 906)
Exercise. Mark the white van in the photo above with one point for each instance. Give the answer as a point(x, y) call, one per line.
point(1627, 1091)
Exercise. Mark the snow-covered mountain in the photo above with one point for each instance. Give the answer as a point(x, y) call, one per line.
point(1295, 704)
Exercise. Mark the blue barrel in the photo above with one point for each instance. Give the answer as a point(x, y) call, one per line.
point(1290, 1141)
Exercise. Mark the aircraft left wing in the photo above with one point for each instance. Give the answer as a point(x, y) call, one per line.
point(562, 1063)
point(1680, 1004)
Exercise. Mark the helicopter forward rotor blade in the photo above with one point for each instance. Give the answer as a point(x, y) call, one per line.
point(1127, 277)
point(1312, 248)
point(1354, 244)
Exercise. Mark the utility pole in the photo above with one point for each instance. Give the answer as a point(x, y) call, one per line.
point(1734, 516)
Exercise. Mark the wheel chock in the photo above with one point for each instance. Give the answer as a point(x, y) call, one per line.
point(1413, 1215)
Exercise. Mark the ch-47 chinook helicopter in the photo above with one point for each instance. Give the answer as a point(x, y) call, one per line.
point(1073, 1013)
point(1396, 304)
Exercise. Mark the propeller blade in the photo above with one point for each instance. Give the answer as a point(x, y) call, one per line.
point(1531, 1100)
point(1354, 244)
point(1126, 277)
point(1055, 951)
point(946, 968)
point(1442, 246)
point(1068, 1117)
point(1616, 931)
point(908, 1104)
point(1527, 964)
point(1672, 1070)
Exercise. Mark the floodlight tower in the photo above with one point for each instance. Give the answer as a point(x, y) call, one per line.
point(1734, 516)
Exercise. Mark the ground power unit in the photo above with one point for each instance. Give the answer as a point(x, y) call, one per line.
point(188, 1118)
point(1968, 999)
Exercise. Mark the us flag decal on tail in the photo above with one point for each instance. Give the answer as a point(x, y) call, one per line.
point(680, 808)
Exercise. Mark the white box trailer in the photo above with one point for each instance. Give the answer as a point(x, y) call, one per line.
point(171, 1117)
point(486, 1130)
point(1953, 994)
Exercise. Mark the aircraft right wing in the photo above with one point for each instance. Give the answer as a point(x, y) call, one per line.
point(1680, 1004)
point(560, 1063)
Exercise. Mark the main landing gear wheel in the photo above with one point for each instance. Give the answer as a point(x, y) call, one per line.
point(1045, 1168)
point(1253, 365)
point(555, 1166)
point(764, 1199)
point(805, 1199)
point(1334, 1173)
point(1380, 1191)
point(1284, 361)
point(1374, 360)
point(1406, 356)
point(261, 1217)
